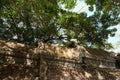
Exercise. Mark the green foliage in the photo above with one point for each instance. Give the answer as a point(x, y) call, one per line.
point(68, 3)
point(26, 21)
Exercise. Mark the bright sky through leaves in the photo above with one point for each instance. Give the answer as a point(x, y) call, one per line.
point(115, 40)
point(82, 7)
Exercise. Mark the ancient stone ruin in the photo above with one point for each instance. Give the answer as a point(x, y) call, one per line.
point(55, 62)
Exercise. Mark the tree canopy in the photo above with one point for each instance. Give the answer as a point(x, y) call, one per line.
point(27, 21)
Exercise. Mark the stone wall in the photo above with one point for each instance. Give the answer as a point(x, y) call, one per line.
point(101, 63)
point(63, 63)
